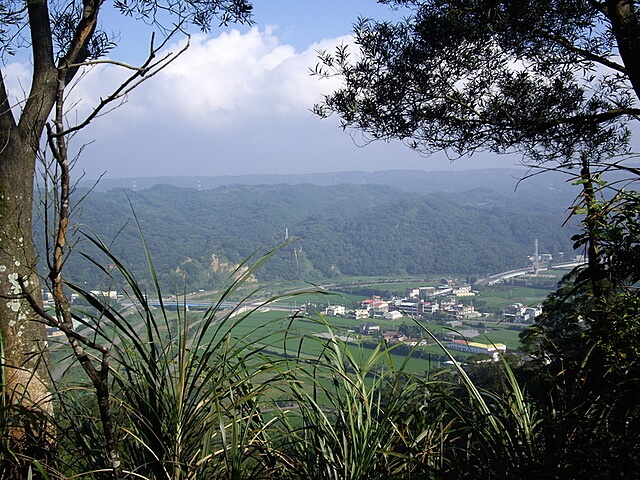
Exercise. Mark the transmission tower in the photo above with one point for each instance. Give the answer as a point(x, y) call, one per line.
point(536, 258)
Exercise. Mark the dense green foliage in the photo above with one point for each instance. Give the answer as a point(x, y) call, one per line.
point(352, 230)
point(585, 349)
point(549, 79)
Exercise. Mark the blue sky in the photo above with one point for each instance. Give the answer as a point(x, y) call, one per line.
point(302, 22)
point(237, 102)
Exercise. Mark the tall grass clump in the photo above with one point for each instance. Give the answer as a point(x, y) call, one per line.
point(354, 414)
point(187, 391)
point(493, 433)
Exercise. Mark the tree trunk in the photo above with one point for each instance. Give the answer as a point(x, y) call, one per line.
point(25, 376)
point(625, 23)
point(23, 336)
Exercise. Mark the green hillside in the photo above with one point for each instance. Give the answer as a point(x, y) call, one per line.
point(349, 229)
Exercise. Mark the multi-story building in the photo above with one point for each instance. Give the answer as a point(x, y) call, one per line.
point(413, 292)
point(411, 307)
point(430, 307)
point(533, 312)
point(463, 291)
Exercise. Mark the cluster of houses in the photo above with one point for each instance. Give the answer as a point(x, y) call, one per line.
point(394, 336)
point(421, 301)
point(459, 344)
point(47, 297)
point(417, 302)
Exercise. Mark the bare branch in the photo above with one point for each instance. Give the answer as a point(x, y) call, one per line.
point(143, 73)
point(52, 321)
point(106, 61)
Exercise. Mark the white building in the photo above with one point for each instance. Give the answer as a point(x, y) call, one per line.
point(463, 291)
point(476, 347)
point(393, 315)
point(430, 307)
point(533, 312)
point(335, 311)
point(411, 307)
point(413, 292)
point(112, 294)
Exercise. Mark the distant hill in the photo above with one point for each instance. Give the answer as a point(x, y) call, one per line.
point(361, 228)
point(502, 180)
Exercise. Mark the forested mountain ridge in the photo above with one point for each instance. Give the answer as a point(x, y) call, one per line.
point(502, 180)
point(349, 229)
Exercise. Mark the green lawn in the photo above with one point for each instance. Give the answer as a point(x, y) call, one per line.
point(501, 298)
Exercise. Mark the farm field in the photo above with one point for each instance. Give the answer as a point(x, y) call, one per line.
point(495, 300)
point(284, 334)
point(278, 333)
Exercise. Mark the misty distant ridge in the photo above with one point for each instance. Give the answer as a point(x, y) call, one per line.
point(503, 180)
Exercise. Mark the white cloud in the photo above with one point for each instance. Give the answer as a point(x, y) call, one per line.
point(232, 104)
point(221, 82)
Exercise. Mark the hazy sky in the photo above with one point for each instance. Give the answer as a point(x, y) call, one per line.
point(237, 102)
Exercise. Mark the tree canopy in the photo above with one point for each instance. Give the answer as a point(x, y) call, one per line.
point(544, 78)
point(354, 230)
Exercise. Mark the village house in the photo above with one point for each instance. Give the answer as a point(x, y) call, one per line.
point(394, 337)
point(410, 307)
point(430, 307)
point(393, 315)
point(367, 303)
point(533, 312)
point(462, 311)
point(335, 311)
point(359, 313)
point(378, 309)
point(458, 310)
point(518, 313)
point(413, 292)
point(463, 291)
point(375, 306)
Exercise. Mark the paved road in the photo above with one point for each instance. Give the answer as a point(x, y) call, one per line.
point(522, 271)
